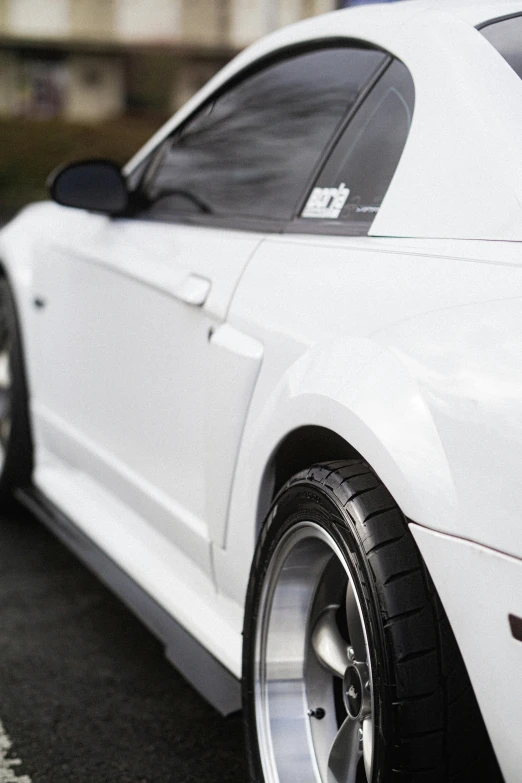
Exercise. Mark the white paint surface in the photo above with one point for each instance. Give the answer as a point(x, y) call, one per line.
point(8, 765)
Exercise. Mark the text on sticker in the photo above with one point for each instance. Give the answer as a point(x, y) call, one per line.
point(326, 202)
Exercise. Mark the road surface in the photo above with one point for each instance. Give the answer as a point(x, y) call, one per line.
point(86, 695)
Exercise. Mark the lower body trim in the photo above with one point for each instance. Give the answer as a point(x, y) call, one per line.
point(204, 672)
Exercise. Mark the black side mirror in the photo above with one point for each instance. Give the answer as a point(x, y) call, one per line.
point(96, 185)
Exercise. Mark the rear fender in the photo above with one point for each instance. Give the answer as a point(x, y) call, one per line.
point(374, 406)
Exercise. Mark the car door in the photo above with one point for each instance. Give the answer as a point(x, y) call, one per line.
point(142, 386)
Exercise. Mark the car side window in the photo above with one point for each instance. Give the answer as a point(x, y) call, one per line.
point(351, 187)
point(506, 36)
point(250, 153)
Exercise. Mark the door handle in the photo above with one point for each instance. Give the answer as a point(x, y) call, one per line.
point(194, 290)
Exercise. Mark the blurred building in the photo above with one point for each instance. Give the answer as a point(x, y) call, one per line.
point(90, 60)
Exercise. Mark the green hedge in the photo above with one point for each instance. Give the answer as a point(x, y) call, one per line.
point(31, 149)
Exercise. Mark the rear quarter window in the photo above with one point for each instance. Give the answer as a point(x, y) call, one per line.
point(506, 36)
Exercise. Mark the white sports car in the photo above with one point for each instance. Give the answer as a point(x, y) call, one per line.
point(267, 382)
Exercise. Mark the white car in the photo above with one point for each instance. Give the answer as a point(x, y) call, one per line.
point(267, 382)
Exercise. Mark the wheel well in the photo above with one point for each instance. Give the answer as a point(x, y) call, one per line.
point(298, 450)
point(17, 471)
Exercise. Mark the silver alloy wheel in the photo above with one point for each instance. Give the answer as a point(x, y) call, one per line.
point(313, 679)
point(5, 382)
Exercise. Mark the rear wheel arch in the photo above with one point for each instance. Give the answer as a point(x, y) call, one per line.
point(382, 416)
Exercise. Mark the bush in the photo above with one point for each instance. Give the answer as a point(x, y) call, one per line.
point(31, 149)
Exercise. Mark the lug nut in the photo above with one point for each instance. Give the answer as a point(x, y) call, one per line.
point(318, 713)
point(351, 653)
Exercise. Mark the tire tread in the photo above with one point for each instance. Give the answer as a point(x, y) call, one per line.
point(438, 726)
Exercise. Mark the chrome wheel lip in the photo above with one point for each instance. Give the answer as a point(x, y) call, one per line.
point(275, 768)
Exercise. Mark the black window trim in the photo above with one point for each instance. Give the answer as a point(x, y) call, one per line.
point(253, 224)
point(504, 18)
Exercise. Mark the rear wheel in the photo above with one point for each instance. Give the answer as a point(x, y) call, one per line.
point(15, 440)
point(351, 671)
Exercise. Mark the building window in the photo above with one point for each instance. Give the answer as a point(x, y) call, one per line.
point(42, 88)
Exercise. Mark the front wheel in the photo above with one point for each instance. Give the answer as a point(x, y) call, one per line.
point(351, 671)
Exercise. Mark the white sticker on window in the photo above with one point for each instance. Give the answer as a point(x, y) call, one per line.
point(326, 202)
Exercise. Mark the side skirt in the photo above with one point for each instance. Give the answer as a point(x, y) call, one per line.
point(204, 672)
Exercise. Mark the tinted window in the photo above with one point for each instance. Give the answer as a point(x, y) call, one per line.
point(506, 37)
point(356, 177)
point(252, 152)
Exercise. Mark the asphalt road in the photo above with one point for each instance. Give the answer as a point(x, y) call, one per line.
point(86, 695)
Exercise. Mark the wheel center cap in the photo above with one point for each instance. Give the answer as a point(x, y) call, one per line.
point(353, 692)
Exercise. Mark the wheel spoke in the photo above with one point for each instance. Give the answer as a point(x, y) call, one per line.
point(309, 617)
point(345, 753)
point(330, 648)
point(367, 728)
point(355, 628)
point(5, 374)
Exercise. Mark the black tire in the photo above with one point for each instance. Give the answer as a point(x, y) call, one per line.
point(16, 443)
point(428, 727)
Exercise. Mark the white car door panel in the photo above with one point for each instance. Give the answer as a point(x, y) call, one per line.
point(122, 388)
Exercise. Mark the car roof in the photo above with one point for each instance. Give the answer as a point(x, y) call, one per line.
point(460, 175)
point(474, 12)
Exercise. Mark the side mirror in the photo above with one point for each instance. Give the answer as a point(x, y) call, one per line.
point(96, 185)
